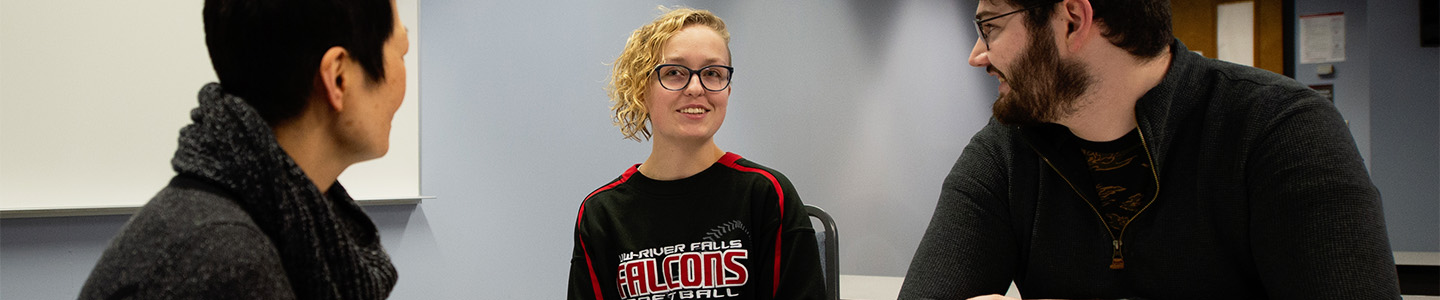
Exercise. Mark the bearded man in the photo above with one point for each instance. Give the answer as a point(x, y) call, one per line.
point(1121, 165)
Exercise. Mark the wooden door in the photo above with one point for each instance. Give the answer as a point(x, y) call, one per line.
point(1194, 23)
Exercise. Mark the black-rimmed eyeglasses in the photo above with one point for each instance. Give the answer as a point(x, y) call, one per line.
point(985, 34)
point(675, 77)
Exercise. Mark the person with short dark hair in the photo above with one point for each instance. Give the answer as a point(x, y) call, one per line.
point(307, 88)
point(692, 221)
point(1121, 165)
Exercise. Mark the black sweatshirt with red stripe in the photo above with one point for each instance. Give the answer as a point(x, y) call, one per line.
point(736, 230)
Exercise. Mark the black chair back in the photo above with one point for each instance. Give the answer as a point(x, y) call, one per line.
point(829, 243)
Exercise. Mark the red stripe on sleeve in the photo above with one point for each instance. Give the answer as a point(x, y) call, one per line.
point(729, 161)
point(623, 177)
point(775, 288)
point(594, 281)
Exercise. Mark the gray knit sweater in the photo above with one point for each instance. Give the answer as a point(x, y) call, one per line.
point(240, 220)
point(1261, 195)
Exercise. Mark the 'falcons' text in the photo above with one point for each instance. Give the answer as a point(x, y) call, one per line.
point(694, 274)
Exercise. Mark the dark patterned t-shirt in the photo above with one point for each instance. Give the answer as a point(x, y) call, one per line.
point(1124, 182)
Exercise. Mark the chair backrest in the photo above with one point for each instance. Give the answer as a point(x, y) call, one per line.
point(829, 243)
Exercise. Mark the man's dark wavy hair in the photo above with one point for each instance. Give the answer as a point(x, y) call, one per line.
point(1141, 27)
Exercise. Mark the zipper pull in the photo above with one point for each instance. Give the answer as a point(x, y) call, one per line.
point(1117, 260)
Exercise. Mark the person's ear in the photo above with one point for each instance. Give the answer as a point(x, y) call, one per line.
point(333, 68)
point(1080, 24)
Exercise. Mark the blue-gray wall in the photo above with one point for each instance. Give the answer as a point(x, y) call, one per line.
point(1351, 79)
point(1403, 123)
point(49, 258)
point(1385, 89)
point(863, 104)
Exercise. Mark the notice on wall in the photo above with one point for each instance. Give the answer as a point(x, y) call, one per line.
point(1322, 38)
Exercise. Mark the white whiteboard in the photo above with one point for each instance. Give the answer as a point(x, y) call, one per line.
point(93, 94)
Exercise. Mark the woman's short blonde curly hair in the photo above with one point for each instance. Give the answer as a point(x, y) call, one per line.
point(630, 79)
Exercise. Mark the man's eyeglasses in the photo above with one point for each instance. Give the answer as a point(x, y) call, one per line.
point(675, 77)
point(985, 34)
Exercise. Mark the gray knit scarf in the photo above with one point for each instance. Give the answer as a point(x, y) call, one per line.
point(329, 246)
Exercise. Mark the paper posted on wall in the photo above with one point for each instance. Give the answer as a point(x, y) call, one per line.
point(1322, 38)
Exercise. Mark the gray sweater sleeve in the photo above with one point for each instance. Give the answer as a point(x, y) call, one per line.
point(1318, 229)
point(968, 249)
point(189, 243)
point(223, 261)
point(212, 261)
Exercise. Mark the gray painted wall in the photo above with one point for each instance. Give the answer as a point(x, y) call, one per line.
point(863, 105)
point(1403, 121)
point(1380, 88)
point(49, 258)
point(1352, 76)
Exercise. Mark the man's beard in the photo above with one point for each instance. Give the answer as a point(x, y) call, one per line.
point(1043, 87)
